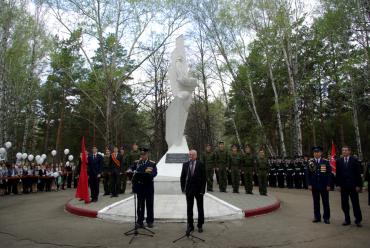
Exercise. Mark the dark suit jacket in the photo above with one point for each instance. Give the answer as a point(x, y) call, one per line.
point(349, 176)
point(195, 184)
point(112, 165)
point(95, 166)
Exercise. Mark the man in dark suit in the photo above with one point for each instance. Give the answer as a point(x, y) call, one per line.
point(94, 170)
point(318, 174)
point(349, 183)
point(115, 163)
point(193, 184)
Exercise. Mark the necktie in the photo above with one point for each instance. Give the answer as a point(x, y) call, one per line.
point(346, 161)
point(192, 168)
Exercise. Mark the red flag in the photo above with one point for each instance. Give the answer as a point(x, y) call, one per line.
point(332, 158)
point(82, 191)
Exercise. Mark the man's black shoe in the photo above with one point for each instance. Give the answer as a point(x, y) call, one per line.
point(346, 223)
point(200, 229)
point(150, 225)
point(106, 194)
point(316, 221)
point(189, 229)
point(327, 221)
point(139, 225)
point(358, 224)
point(114, 196)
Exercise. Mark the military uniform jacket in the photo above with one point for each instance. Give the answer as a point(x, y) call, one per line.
point(106, 167)
point(262, 165)
point(133, 157)
point(208, 159)
point(318, 175)
point(124, 163)
point(145, 183)
point(248, 161)
point(222, 159)
point(235, 161)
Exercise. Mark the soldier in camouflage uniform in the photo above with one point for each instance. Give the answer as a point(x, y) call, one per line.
point(207, 159)
point(124, 168)
point(134, 155)
point(262, 168)
point(247, 168)
point(106, 173)
point(235, 165)
point(221, 162)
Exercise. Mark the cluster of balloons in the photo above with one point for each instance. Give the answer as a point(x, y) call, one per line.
point(7, 146)
point(39, 159)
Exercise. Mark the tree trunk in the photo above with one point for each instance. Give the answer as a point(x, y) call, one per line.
point(58, 142)
point(108, 116)
point(5, 33)
point(268, 145)
point(296, 114)
point(277, 106)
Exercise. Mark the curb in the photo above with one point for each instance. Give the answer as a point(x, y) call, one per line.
point(247, 213)
point(262, 210)
point(80, 211)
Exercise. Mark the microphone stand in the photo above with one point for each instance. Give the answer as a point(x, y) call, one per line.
point(134, 231)
point(188, 234)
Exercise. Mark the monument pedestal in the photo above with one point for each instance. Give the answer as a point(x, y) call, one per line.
point(170, 166)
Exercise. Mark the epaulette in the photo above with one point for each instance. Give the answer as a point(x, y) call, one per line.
point(152, 161)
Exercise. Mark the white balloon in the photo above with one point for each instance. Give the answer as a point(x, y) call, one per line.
point(70, 157)
point(18, 155)
point(38, 161)
point(53, 153)
point(38, 157)
point(2, 150)
point(8, 144)
point(24, 156)
point(66, 151)
point(43, 156)
point(67, 163)
point(30, 157)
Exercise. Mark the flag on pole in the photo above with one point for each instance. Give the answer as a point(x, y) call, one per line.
point(82, 191)
point(332, 158)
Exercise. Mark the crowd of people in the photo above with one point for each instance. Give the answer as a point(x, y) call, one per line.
point(27, 177)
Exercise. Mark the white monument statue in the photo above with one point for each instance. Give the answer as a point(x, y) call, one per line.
point(182, 87)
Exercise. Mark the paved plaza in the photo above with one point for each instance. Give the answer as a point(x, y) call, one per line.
point(40, 220)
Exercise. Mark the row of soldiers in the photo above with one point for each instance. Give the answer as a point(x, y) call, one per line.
point(237, 167)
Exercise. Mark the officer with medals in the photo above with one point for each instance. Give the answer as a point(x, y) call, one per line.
point(318, 179)
point(143, 185)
